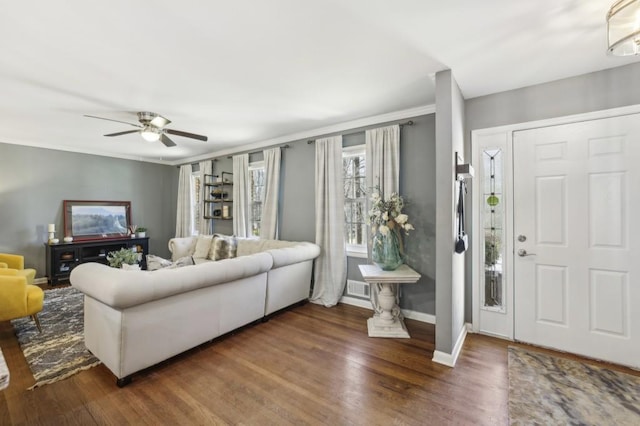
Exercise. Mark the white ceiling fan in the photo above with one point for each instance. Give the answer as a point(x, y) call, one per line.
point(151, 128)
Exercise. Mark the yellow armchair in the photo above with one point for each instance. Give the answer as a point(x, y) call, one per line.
point(16, 261)
point(17, 298)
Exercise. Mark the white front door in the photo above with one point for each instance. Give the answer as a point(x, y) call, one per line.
point(577, 238)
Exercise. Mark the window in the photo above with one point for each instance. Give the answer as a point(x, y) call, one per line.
point(355, 199)
point(493, 215)
point(256, 196)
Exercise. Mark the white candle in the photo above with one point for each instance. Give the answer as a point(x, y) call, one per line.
point(52, 227)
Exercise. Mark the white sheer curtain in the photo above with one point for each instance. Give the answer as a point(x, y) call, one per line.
point(241, 224)
point(183, 214)
point(383, 170)
point(269, 221)
point(383, 159)
point(331, 267)
point(206, 168)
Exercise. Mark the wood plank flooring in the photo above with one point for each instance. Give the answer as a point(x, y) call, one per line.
point(308, 365)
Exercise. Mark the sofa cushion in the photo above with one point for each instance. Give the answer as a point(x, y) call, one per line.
point(203, 245)
point(247, 246)
point(223, 247)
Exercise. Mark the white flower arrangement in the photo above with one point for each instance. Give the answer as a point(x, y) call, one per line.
point(386, 215)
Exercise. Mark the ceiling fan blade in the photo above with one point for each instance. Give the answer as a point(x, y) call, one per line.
point(166, 141)
point(160, 121)
point(109, 119)
point(186, 134)
point(123, 133)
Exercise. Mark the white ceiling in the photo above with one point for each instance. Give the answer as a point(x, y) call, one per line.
point(246, 72)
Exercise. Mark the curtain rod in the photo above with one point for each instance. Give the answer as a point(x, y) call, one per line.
point(407, 123)
point(242, 152)
point(256, 152)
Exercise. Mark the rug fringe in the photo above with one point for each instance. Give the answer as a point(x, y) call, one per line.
point(64, 376)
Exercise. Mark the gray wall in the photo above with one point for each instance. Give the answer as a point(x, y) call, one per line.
point(612, 88)
point(35, 181)
point(450, 269)
point(600, 90)
point(417, 186)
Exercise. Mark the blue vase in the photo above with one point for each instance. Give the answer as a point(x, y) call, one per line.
point(385, 251)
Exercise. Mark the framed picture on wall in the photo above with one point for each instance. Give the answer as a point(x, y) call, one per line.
point(96, 220)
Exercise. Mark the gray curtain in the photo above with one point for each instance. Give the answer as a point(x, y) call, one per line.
point(331, 266)
point(269, 221)
point(241, 224)
point(183, 214)
point(206, 168)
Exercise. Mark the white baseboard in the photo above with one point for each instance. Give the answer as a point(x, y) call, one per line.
point(41, 280)
point(354, 301)
point(419, 316)
point(450, 359)
point(409, 314)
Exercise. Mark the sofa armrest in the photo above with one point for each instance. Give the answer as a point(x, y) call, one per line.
point(13, 261)
point(121, 289)
point(181, 247)
point(301, 252)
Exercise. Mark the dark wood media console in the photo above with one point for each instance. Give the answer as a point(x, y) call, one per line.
point(62, 258)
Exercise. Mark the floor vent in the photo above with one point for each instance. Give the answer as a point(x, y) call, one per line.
point(357, 288)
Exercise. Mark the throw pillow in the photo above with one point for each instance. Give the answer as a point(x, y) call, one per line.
point(203, 245)
point(223, 247)
point(156, 262)
point(183, 261)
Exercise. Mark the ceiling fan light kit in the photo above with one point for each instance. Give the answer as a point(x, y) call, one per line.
point(151, 128)
point(623, 28)
point(150, 134)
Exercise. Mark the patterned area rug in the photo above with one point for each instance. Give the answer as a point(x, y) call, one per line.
point(544, 389)
point(59, 351)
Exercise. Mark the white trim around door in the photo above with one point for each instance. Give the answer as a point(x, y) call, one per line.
point(491, 320)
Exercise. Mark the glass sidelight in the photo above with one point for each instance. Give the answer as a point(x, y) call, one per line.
point(493, 226)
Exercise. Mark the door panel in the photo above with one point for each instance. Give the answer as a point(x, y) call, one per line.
point(576, 276)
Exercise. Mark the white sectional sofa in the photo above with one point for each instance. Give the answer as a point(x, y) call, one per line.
point(135, 319)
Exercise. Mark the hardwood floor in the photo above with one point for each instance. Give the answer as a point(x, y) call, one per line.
point(308, 365)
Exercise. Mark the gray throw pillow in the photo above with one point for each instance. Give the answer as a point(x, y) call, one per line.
point(223, 247)
point(156, 262)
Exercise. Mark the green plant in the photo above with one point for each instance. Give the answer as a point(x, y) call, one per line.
point(124, 255)
point(141, 229)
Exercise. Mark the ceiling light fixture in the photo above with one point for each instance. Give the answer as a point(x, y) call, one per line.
point(623, 28)
point(150, 134)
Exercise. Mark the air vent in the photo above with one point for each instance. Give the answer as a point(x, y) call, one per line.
point(357, 288)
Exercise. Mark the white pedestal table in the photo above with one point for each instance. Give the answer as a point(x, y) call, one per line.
point(387, 320)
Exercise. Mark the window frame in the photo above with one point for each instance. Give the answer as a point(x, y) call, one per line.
point(357, 250)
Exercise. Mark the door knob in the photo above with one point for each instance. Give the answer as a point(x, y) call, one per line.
point(523, 253)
